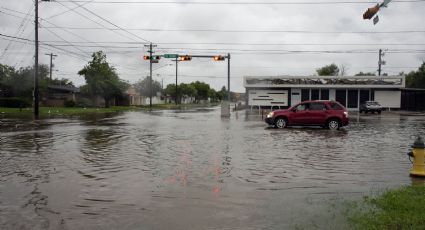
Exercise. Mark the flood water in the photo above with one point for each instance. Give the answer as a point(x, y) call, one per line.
point(194, 170)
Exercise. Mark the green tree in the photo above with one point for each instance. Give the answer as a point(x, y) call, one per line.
point(213, 95)
point(222, 93)
point(102, 79)
point(202, 90)
point(416, 79)
point(170, 90)
point(187, 89)
point(328, 70)
point(143, 86)
point(365, 74)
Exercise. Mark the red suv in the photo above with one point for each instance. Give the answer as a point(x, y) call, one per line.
point(328, 114)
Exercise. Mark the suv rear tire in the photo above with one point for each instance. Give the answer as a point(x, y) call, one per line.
point(281, 122)
point(333, 124)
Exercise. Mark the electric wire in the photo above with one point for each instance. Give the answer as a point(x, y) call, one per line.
point(236, 3)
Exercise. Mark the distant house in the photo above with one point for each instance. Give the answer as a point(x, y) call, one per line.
point(58, 94)
point(134, 97)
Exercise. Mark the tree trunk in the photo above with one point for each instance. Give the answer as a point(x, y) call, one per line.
point(106, 102)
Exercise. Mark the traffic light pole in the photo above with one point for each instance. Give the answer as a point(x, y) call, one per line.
point(177, 61)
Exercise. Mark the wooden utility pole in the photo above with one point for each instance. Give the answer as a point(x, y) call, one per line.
point(51, 63)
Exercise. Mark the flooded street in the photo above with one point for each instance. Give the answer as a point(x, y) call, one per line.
point(194, 170)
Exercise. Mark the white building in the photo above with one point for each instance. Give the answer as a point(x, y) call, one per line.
point(286, 91)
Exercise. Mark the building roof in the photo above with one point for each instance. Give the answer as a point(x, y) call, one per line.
point(66, 88)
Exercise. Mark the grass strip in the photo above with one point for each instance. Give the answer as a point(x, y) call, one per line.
point(402, 208)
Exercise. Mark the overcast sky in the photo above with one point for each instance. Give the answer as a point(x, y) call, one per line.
point(263, 39)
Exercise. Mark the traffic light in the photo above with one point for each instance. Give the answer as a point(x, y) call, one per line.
point(146, 57)
point(219, 58)
point(370, 12)
point(185, 58)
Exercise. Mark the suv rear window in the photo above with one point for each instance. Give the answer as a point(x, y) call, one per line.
point(335, 106)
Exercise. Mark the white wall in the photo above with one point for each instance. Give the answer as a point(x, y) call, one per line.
point(268, 97)
point(388, 99)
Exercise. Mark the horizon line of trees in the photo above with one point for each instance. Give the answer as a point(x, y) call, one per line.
point(103, 80)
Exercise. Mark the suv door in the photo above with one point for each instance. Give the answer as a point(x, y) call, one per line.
point(317, 113)
point(299, 114)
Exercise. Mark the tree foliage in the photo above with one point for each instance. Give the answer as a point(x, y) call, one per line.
point(416, 79)
point(328, 70)
point(143, 86)
point(102, 79)
point(365, 74)
point(197, 90)
point(20, 83)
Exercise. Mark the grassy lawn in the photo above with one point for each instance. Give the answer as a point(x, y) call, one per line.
point(63, 111)
point(402, 208)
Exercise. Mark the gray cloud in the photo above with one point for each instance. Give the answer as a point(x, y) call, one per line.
point(336, 18)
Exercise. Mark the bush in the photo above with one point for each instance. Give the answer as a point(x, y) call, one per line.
point(69, 103)
point(14, 102)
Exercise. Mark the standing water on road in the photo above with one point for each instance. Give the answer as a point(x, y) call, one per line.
point(193, 170)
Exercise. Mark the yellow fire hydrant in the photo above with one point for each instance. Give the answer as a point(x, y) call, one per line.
point(418, 154)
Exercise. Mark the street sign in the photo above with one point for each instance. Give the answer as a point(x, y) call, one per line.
point(171, 55)
point(376, 20)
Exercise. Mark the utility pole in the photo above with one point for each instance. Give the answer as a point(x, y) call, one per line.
point(150, 72)
point(177, 61)
point(36, 112)
point(379, 62)
point(228, 77)
point(51, 63)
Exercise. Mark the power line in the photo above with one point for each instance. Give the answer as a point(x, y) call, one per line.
point(113, 24)
point(86, 17)
point(246, 31)
point(271, 51)
point(235, 3)
point(19, 31)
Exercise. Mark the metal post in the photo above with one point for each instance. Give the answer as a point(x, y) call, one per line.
point(36, 96)
point(177, 61)
point(379, 62)
point(228, 77)
point(150, 70)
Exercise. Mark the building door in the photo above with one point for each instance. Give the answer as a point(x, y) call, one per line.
point(295, 96)
point(341, 96)
point(364, 95)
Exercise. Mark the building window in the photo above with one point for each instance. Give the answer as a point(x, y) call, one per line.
point(353, 98)
point(324, 94)
point(341, 96)
point(314, 94)
point(305, 94)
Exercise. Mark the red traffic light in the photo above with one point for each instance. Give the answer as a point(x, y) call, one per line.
point(219, 58)
point(370, 12)
point(185, 58)
point(146, 57)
